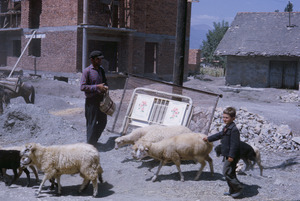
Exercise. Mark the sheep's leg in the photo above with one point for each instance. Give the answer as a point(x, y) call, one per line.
point(53, 184)
point(100, 178)
point(210, 162)
point(28, 176)
point(200, 170)
point(95, 186)
point(20, 172)
point(58, 185)
point(177, 163)
point(35, 173)
point(41, 185)
point(84, 185)
point(158, 169)
point(45, 178)
point(5, 176)
point(15, 177)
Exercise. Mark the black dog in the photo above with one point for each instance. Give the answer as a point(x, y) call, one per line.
point(247, 154)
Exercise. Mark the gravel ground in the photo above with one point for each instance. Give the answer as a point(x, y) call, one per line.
point(57, 117)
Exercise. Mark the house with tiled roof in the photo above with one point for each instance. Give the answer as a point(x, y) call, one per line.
point(263, 50)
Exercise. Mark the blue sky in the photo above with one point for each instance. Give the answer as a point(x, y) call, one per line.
point(205, 12)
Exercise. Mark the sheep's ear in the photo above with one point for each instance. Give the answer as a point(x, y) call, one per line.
point(146, 149)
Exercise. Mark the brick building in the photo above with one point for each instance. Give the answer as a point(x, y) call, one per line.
point(135, 36)
point(194, 61)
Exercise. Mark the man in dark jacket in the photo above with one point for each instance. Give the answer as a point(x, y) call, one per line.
point(230, 140)
point(94, 84)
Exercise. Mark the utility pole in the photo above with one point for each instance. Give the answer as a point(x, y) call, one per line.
point(84, 33)
point(178, 70)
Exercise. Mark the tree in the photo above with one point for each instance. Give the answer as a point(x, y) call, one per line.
point(289, 7)
point(213, 38)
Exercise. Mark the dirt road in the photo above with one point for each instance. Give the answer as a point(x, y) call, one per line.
point(58, 118)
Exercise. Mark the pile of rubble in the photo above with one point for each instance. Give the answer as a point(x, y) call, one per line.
point(291, 97)
point(255, 130)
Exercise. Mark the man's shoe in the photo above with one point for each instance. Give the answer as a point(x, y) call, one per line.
point(237, 194)
point(227, 194)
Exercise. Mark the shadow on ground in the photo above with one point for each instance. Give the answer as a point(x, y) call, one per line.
point(189, 176)
point(108, 146)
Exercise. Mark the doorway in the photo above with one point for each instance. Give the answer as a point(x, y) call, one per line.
point(283, 74)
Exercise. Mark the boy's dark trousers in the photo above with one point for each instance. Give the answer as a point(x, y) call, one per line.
point(230, 176)
point(95, 120)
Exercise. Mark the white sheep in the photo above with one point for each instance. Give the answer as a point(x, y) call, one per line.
point(132, 137)
point(188, 146)
point(157, 134)
point(57, 160)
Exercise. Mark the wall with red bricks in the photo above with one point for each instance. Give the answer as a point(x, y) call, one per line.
point(194, 60)
point(24, 14)
point(154, 20)
point(156, 16)
point(58, 53)
point(59, 13)
point(98, 13)
point(54, 13)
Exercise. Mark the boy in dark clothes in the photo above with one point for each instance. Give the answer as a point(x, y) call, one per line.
point(230, 140)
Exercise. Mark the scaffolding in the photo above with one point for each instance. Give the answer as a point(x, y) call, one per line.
point(10, 13)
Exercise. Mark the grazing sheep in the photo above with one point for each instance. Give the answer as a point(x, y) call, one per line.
point(248, 154)
point(134, 136)
point(157, 134)
point(57, 160)
point(188, 146)
point(18, 148)
point(10, 159)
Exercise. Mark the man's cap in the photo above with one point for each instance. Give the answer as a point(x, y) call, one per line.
point(95, 54)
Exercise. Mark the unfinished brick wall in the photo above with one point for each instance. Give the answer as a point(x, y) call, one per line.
point(59, 13)
point(58, 53)
point(25, 14)
point(156, 16)
point(153, 21)
point(53, 13)
point(98, 13)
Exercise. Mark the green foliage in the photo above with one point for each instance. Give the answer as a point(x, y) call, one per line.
point(213, 38)
point(212, 71)
point(289, 7)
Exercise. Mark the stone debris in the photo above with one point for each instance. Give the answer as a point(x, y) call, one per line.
point(290, 98)
point(255, 130)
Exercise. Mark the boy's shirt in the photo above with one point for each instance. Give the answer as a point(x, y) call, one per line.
point(230, 140)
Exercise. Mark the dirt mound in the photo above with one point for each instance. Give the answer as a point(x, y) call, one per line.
point(23, 123)
point(56, 88)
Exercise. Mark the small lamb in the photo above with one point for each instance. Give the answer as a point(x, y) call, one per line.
point(32, 167)
point(10, 159)
point(187, 146)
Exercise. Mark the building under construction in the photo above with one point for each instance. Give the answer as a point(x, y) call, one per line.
point(135, 36)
